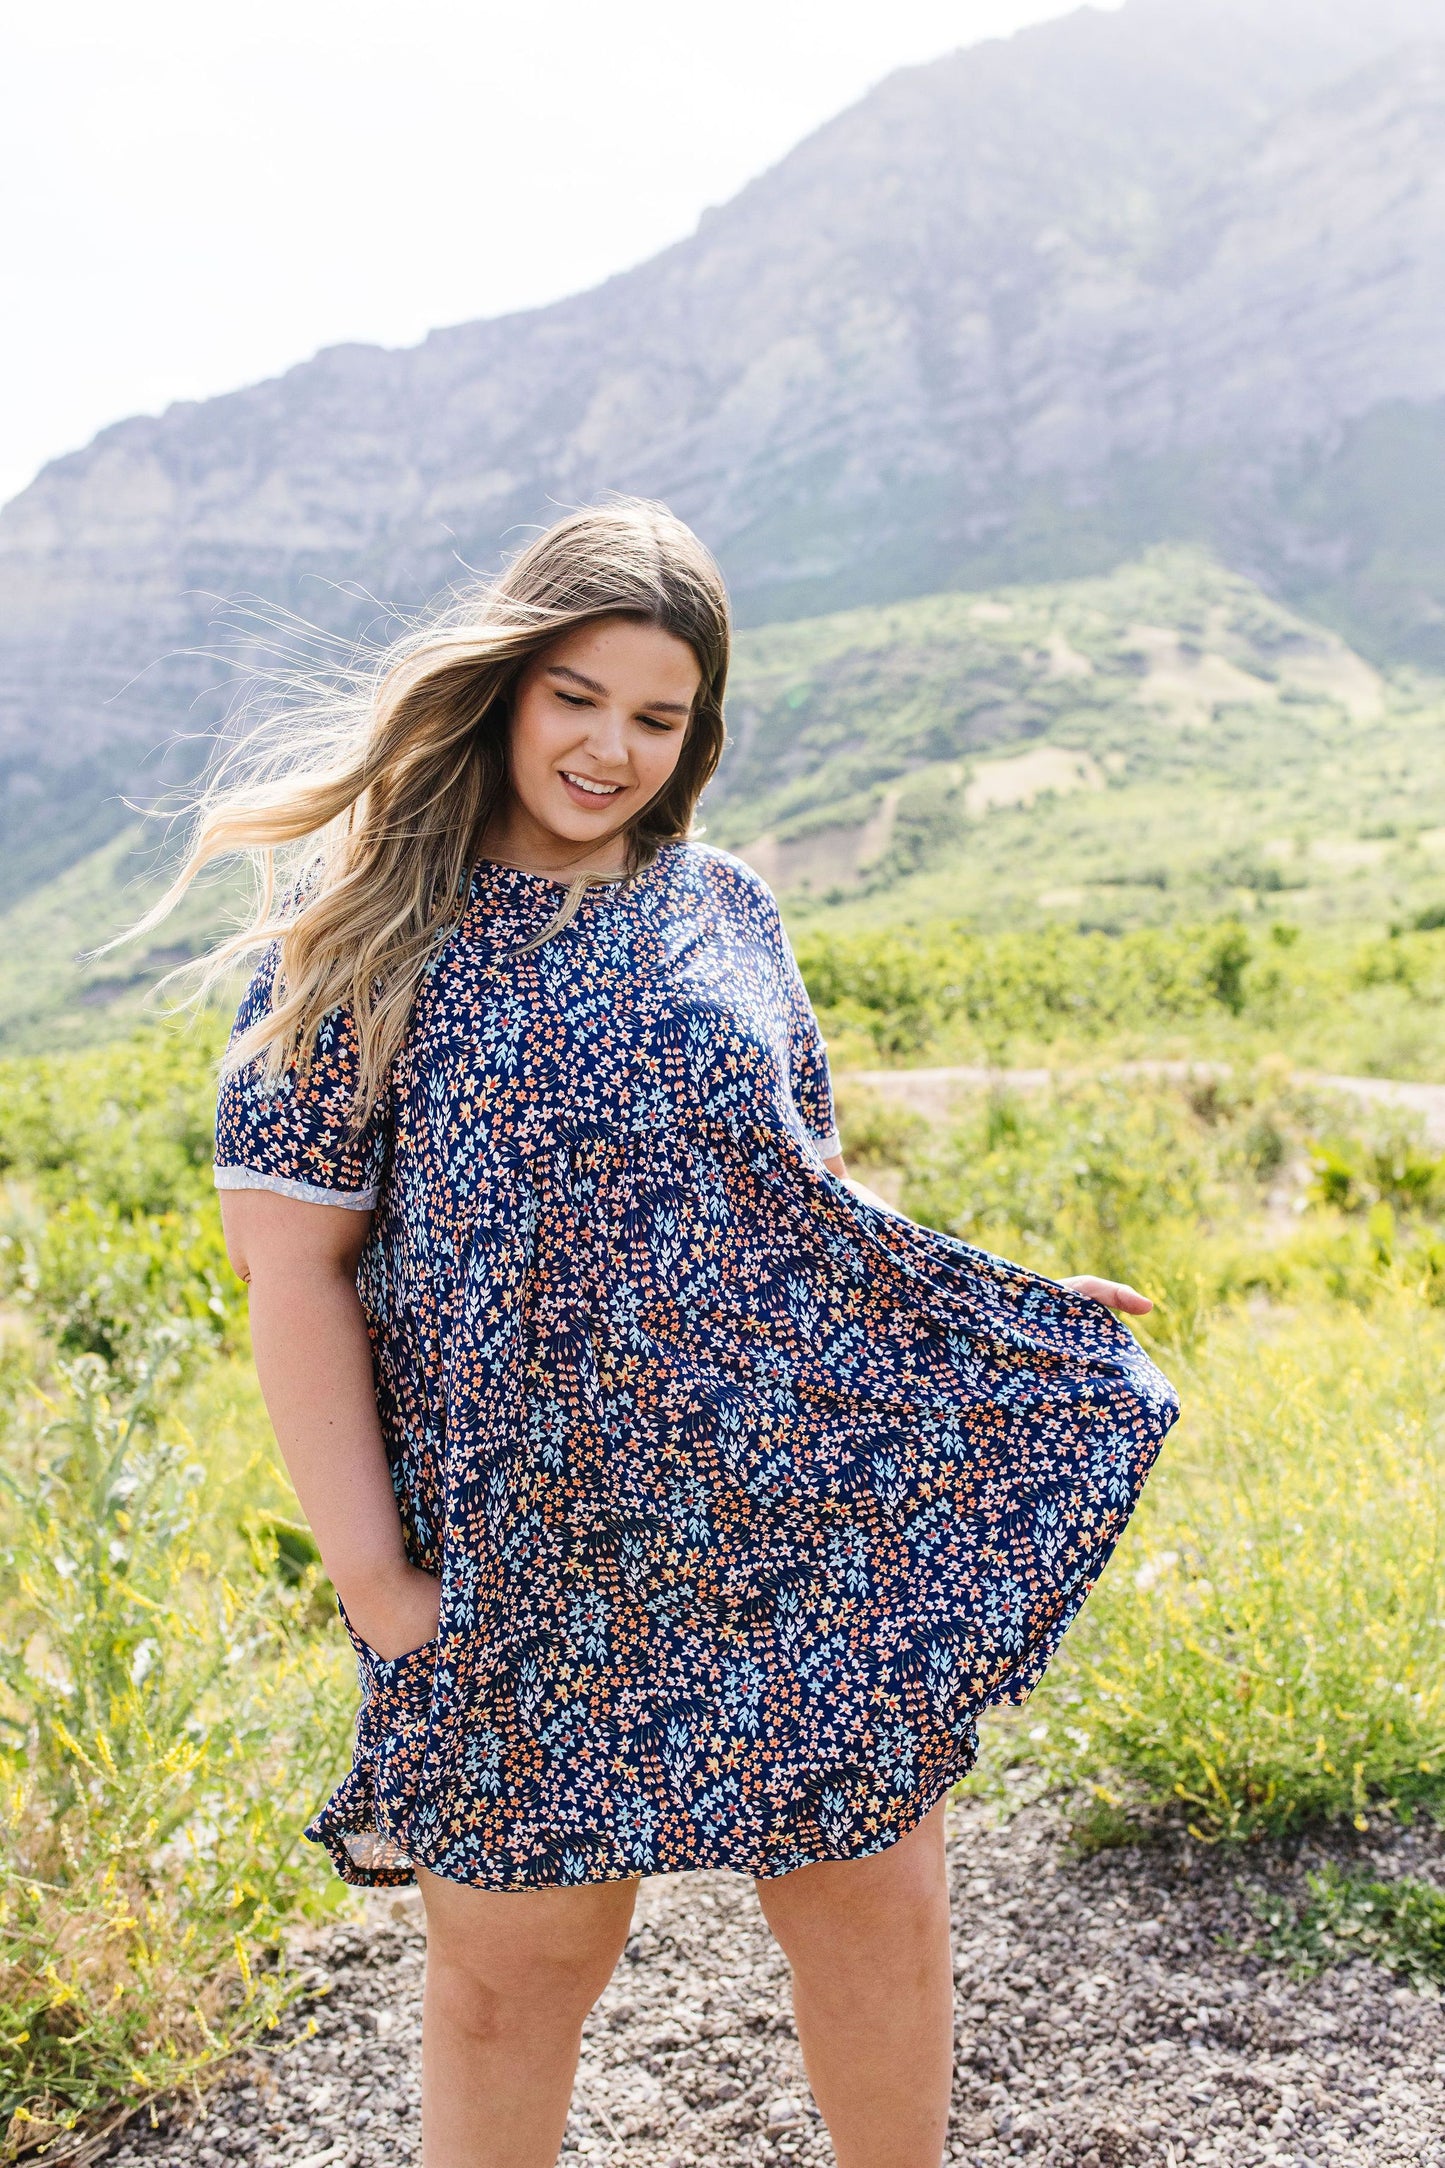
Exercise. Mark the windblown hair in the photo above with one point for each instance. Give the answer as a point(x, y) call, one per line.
point(363, 809)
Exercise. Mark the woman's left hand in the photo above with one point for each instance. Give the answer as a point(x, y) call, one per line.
point(1112, 1293)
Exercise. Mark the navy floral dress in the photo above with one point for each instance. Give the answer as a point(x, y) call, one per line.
point(746, 1496)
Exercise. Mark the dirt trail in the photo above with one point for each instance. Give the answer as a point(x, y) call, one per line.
point(1106, 2019)
point(932, 1092)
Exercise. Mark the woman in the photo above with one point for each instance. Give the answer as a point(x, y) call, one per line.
point(685, 1506)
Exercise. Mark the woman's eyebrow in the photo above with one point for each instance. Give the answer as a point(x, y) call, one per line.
point(663, 707)
point(560, 669)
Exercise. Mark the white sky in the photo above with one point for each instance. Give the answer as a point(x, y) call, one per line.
point(195, 194)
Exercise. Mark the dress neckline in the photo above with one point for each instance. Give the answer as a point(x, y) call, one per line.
point(485, 866)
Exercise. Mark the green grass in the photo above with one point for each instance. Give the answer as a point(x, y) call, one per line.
point(1267, 1650)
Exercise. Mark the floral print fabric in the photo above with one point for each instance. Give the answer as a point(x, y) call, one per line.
point(746, 1496)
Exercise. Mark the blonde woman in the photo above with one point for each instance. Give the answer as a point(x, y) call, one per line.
point(685, 1507)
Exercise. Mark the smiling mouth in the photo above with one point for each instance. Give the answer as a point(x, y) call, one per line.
point(588, 787)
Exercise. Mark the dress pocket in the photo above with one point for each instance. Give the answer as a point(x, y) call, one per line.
point(364, 1823)
point(396, 1697)
point(388, 1671)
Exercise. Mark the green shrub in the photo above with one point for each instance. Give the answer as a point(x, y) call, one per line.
point(1391, 1168)
point(1202, 1191)
point(99, 1282)
point(109, 1227)
point(905, 990)
point(168, 1713)
point(127, 1126)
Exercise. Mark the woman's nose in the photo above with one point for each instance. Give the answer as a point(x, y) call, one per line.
point(607, 738)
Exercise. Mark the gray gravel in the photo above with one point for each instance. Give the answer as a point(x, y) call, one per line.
point(1106, 2019)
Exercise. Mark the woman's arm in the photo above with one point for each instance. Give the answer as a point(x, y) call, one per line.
point(313, 1359)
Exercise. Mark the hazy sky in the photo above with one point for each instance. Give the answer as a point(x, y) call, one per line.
point(193, 195)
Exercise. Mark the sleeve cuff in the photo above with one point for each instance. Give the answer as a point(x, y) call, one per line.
point(350, 1200)
point(831, 1146)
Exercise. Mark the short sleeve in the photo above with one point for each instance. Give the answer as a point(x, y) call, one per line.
point(295, 1134)
point(808, 1066)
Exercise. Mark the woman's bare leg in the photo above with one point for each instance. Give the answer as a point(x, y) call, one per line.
point(868, 1943)
point(509, 1979)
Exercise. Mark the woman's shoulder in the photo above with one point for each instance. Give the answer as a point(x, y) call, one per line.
point(727, 880)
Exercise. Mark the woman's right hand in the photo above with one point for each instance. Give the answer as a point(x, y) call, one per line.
point(397, 1614)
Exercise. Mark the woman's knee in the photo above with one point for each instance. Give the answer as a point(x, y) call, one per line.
point(529, 1958)
point(893, 1902)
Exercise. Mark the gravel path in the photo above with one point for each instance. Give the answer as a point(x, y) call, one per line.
point(1104, 2021)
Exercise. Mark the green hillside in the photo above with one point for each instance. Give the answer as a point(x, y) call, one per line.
point(1164, 743)
point(55, 992)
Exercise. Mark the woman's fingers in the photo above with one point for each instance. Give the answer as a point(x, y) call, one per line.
point(1114, 1294)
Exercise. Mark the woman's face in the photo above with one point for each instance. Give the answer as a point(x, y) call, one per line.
point(597, 729)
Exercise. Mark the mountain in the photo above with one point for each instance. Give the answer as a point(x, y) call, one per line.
point(1175, 272)
point(1161, 742)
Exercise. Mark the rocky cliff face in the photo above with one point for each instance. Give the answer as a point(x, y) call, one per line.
point(1173, 271)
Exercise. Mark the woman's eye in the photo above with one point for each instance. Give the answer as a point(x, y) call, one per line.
point(574, 700)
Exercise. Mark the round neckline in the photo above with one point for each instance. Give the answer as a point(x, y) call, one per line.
point(550, 880)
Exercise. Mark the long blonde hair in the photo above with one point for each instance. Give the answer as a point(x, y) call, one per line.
point(363, 808)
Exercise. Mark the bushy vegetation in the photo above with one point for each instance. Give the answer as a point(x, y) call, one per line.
point(1346, 1003)
point(169, 1711)
point(1267, 1650)
point(906, 993)
point(1209, 1188)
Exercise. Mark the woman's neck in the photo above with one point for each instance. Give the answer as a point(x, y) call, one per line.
point(513, 838)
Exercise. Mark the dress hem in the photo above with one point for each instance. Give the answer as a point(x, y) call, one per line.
point(393, 1875)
